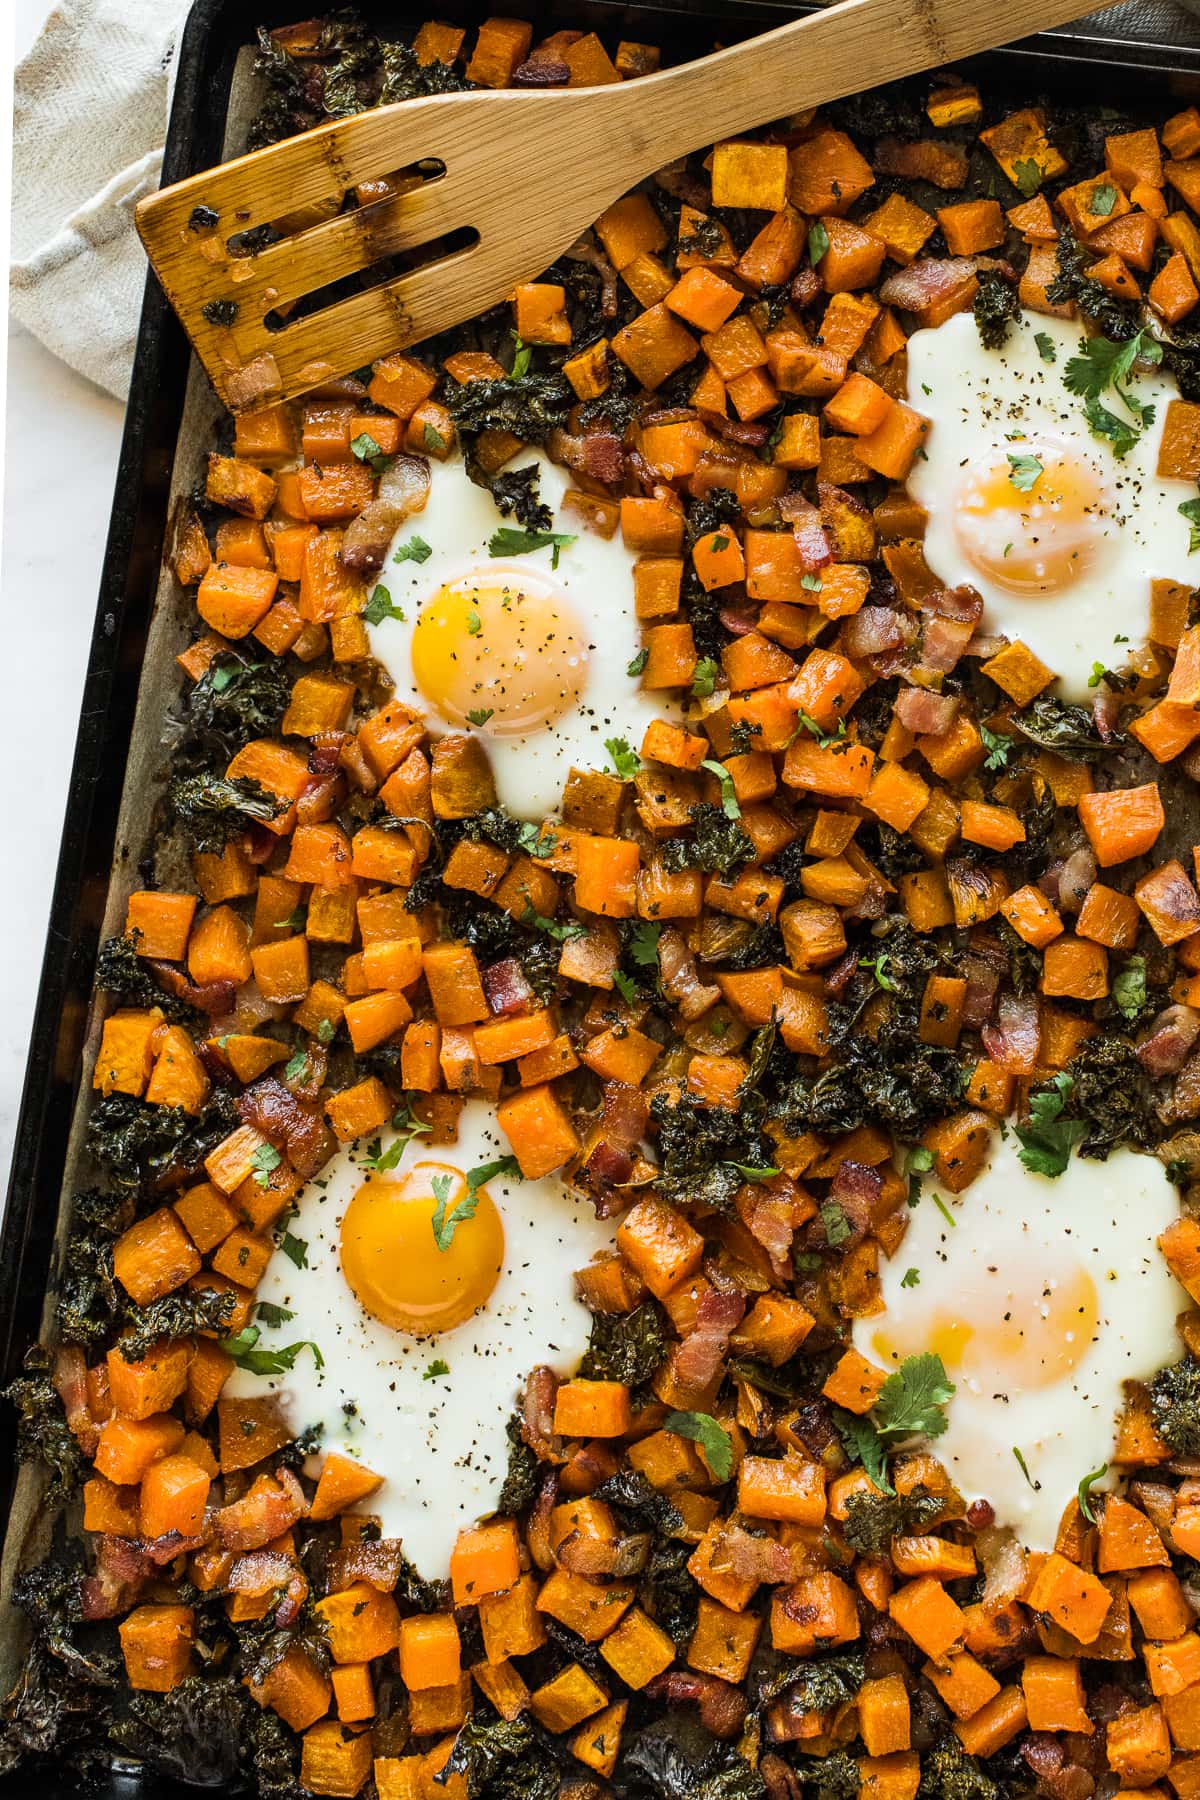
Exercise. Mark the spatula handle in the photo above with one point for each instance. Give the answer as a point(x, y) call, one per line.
point(857, 44)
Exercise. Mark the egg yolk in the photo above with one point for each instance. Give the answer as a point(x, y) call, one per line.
point(1031, 518)
point(1002, 1328)
point(502, 650)
point(391, 1252)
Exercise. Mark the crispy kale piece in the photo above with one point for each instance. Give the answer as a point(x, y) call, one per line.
point(625, 1347)
point(515, 492)
point(1111, 1091)
point(531, 406)
point(195, 1733)
point(426, 1596)
point(42, 1431)
point(521, 1480)
point(703, 1150)
point(1057, 725)
point(495, 825)
point(51, 1712)
point(667, 1591)
point(631, 1494)
point(262, 1644)
point(233, 701)
point(705, 239)
point(175, 1316)
point(835, 1777)
point(720, 506)
point(503, 1759)
point(825, 1681)
point(873, 1520)
point(1117, 319)
point(121, 971)
point(673, 1759)
point(996, 306)
point(894, 1081)
point(88, 1303)
point(136, 1144)
point(208, 809)
point(1175, 1406)
point(717, 844)
point(948, 1773)
point(404, 78)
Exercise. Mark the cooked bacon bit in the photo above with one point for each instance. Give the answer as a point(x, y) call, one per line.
point(1046, 1755)
point(842, 973)
point(122, 1570)
point(738, 619)
point(1004, 1566)
point(779, 1779)
point(1076, 876)
point(319, 800)
point(541, 72)
point(963, 604)
point(537, 1531)
point(873, 629)
point(1170, 1040)
point(812, 540)
point(291, 1126)
point(748, 1557)
point(1014, 1040)
point(583, 1554)
point(738, 431)
point(943, 643)
point(981, 1514)
point(610, 1165)
point(603, 457)
point(680, 980)
point(212, 997)
point(1106, 711)
point(856, 1189)
point(924, 712)
point(378, 1562)
point(677, 179)
point(271, 1506)
point(267, 1572)
point(506, 988)
point(806, 285)
point(324, 751)
point(163, 1550)
point(537, 1411)
point(69, 1378)
point(701, 1353)
point(933, 278)
point(771, 1212)
point(722, 1706)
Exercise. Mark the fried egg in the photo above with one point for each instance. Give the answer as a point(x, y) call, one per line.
point(1060, 536)
point(1041, 1297)
point(530, 650)
point(424, 1350)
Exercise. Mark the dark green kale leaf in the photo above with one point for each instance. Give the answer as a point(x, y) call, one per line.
point(1175, 1406)
point(625, 1347)
point(88, 1303)
point(1117, 319)
point(673, 1759)
point(814, 1686)
point(42, 1431)
point(175, 1316)
point(996, 306)
point(720, 506)
point(196, 1733)
point(232, 702)
point(122, 972)
point(873, 1520)
point(521, 1482)
point(835, 1777)
point(717, 845)
point(52, 1712)
point(426, 1596)
point(209, 809)
point(752, 947)
point(503, 1759)
point(704, 239)
point(1111, 1091)
point(644, 1507)
point(530, 406)
point(404, 78)
point(137, 1144)
point(49, 1596)
point(703, 1150)
point(948, 1773)
point(515, 492)
point(1057, 725)
point(667, 1591)
point(894, 1081)
point(262, 1644)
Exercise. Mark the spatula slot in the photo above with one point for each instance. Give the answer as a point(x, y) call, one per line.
point(380, 272)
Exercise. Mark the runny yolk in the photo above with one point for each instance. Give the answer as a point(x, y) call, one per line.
point(1031, 518)
point(501, 650)
point(390, 1254)
point(1001, 1328)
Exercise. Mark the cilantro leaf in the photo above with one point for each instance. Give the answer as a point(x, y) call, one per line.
point(1102, 201)
point(1023, 472)
point(443, 1227)
point(624, 985)
point(1028, 176)
point(562, 934)
point(878, 966)
point(522, 357)
point(998, 747)
point(367, 450)
point(713, 1439)
point(415, 550)
point(1129, 988)
point(1047, 1141)
point(482, 1173)
point(704, 679)
point(516, 540)
point(295, 1249)
point(813, 583)
point(818, 243)
point(729, 799)
point(295, 1066)
point(433, 437)
point(911, 1278)
point(837, 1225)
point(1105, 424)
point(749, 1171)
point(381, 606)
point(914, 1398)
point(264, 1160)
point(1045, 346)
point(643, 944)
point(625, 761)
point(380, 1160)
point(479, 715)
point(474, 624)
point(325, 1031)
point(1085, 1492)
point(806, 722)
point(864, 1443)
point(638, 663)
point(270, 1314)
point(436, 1368)
point(1190, 510)
point(242, 1348)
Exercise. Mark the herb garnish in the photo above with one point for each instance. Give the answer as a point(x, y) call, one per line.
point(1047, 1141)
point(712, 1438)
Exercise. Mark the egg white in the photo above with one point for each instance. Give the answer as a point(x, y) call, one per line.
point(982, 400)
point(1017, 1234)
point(596, 575)
point(440, 1443)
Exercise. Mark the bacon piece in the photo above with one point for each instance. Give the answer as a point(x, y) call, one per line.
point(1004, 1567)
point(122, 1570)
point(680, 980)
point(943, 643)
point(212, 997)
point(739, 617)
point(856, 1189)
point(585, 249)
point(376, 1562)
point(324, 751)
point(1015, 1038)
point(751, 432)
point(747, 1557)
point(771, 1212)
point(165, 1549)
point(873, 629)
point(272, 1505)
point(537, 1410)
point(291, 1126)
point(812, 540)
point(924, 712)
point(932, 278)
point(1076, 877)
point(603, 457)
point(506, 988)
point(68, 1376)
point(584, 1554)
point(537, 1530)
point(806, 287)
point(1168, 1045)
point(963, 604)
point(701, 1353)
point(779, 1779)
point(267, 1572)
point(722, 1706)
point(610, 1164)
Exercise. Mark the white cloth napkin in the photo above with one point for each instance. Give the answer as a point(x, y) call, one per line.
point(89, 119)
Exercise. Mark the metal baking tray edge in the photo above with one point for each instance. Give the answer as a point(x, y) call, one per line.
point(141, 620)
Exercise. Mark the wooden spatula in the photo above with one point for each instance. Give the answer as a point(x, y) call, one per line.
point(522, 172)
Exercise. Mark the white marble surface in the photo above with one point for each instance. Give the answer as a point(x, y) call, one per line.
point(62, 436)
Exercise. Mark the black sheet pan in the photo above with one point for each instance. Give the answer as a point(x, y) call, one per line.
point(112, 737)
